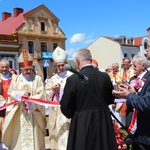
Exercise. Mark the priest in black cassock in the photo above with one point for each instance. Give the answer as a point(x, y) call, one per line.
point(91, 124)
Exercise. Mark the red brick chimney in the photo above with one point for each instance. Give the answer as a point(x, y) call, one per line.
point(17, 11)
point(5, 15)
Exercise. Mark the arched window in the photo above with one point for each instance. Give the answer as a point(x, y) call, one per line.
point(131, 41)
point(132, 55)
point(124, 40)
point(145, 45)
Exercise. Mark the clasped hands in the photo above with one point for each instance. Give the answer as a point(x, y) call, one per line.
point(124, 90)
point(29, 105)
point(22, 94)
point(56, 88)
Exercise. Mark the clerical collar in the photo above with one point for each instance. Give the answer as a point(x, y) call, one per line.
point(126, 70)
point(6, 77)
point(62, 74)
point(28, 78)
point(85, 66)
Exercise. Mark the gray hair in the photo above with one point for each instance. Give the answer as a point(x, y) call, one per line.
point(4, 60)
point(84, 54)
point(142, 60)
point(115, 64)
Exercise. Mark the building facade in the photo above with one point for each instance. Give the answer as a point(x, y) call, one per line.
point(107, 50)
point(38, 32)
point(9, 49)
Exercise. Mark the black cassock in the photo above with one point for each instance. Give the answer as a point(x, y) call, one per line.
point(91, 125)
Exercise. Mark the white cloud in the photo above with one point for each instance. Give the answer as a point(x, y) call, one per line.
point(89, 41)
point(81, 40)
point(77, 38)
point(71, 53)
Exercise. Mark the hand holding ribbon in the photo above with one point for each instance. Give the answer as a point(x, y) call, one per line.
point(30, 107)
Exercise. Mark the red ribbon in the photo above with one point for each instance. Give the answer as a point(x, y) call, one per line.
point(33, 100)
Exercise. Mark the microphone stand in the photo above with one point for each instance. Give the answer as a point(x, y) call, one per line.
point(130, 138)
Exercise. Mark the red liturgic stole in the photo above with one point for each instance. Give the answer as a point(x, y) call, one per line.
point(5, 87)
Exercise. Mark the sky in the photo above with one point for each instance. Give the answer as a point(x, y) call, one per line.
point(83, 21)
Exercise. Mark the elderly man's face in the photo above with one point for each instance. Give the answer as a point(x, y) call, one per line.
point(138, 68)
point(4, 68)
point(27, 71)
point(115, 69)
point(148, 51)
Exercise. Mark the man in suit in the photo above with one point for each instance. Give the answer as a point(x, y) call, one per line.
point(141, 103)
point(91, 124)
point(140, 64)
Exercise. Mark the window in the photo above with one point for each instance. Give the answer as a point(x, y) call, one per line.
point(132, 55)
point(10, 64)
point(145, 45)
point(132, 41)
point(30, 47)
point(124, 40)
point(42, 26)
point(125, 55)
point(55, 45)
point(43, 47)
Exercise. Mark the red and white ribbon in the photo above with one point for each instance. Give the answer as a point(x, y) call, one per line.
point(133, 126)
point(9, 104)
point(33, 100)
point(41, 101)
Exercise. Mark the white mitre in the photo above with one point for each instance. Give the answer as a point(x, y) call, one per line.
point(59, 55)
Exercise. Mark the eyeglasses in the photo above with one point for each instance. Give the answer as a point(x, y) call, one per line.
point(60, 65)
point(28, 69)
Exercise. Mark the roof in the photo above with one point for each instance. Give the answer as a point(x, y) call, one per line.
point(11, 24)
point(8, 26)
point(137, 41)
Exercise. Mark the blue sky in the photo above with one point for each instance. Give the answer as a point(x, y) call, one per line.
point(83, 21)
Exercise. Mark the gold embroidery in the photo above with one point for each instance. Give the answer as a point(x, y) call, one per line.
point(26, 129)
point(26, 87)
point(6, 86)
point(58, 53)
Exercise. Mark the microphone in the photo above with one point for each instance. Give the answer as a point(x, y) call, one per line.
point(67, 67)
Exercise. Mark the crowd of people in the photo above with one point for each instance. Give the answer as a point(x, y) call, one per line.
point(137, 95)
point(82, 118)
